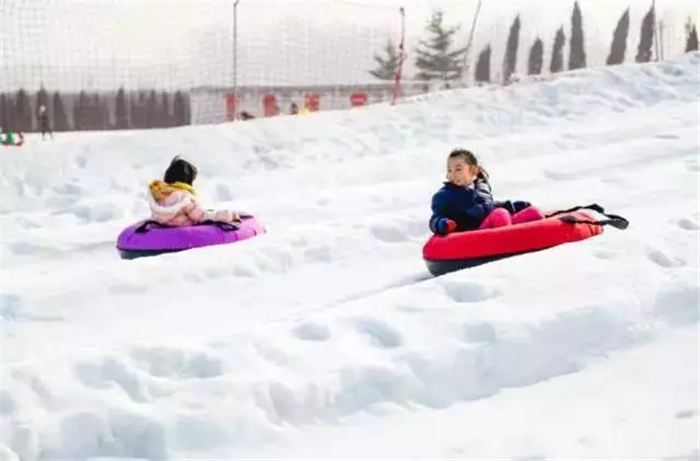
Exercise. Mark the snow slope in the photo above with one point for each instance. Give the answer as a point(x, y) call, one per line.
point(327, 337)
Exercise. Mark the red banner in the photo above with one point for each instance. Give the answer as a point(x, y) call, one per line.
point(270, 105)
point(358, 99)
point(230, 107)
point(312, 101)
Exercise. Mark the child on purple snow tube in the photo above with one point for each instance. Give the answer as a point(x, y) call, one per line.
point(173, 200)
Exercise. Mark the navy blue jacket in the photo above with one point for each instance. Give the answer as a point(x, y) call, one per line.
point(466, 206)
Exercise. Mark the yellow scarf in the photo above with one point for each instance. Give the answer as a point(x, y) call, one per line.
point(161, 189)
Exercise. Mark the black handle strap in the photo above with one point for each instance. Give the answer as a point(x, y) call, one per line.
point(618, 222)
point(143, 228)
point(225, 226)
point(593, 206)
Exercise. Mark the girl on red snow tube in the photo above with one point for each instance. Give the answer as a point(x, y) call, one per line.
point(470, 228)
point(178, 222)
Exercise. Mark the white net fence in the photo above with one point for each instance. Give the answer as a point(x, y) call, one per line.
point(129, 65)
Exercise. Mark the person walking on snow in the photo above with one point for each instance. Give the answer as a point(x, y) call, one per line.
point(44, 124)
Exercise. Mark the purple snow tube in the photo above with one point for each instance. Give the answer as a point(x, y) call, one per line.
point(148, 238)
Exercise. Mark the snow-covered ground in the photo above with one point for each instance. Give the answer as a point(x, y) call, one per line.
point(326, 337)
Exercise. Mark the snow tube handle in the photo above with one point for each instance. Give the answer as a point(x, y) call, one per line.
point(143, 228)
point(224, 226)
point(618, 222)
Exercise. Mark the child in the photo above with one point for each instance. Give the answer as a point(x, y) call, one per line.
point(173, 202)
point(465, 202)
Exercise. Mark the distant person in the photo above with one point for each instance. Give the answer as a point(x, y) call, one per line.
point(44, 124)
point(247, 116)
point(514, 78)
point(294, 109)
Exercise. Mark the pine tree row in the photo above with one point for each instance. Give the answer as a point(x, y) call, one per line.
point(95, 111)
point(438, 59)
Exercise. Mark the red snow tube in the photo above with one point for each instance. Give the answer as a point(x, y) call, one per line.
point(460, 250)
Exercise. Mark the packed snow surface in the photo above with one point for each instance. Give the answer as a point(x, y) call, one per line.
point(326, 337)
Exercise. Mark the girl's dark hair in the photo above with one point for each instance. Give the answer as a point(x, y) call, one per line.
point(180, 170)
point(470, 159)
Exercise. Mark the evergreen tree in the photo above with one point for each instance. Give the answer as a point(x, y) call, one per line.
point(386, 66)
point(483, 66)
point(81, 109)
point(134, 110)
point(511, 57)
point(152, 112)
point(536, 58)
point(105, 115)
point(23, 112)
point(436, 59)
point(179, 110)
point(86, 113)
point(6, 112)
point(557, 62)
point(121, 113)
point(165, 110)
point(691, 43)
point(577, 55)
point(99, 112)
point(142, 108)
point(139, 117)
point(646, 38)
point(188, 113)
point(92, 115)
point(619, 42)
point(60, 118)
